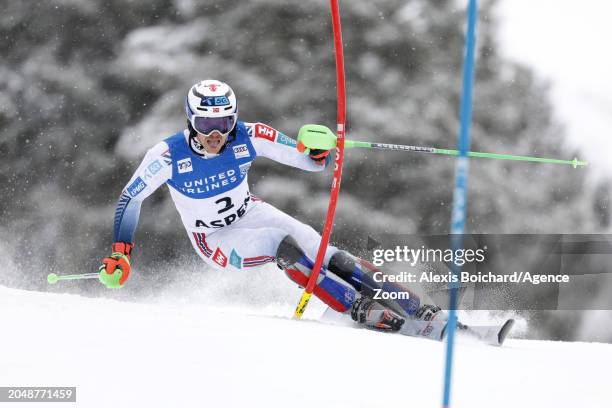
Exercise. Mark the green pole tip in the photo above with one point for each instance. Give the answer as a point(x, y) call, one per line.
point(52, 278)
point(576, 163)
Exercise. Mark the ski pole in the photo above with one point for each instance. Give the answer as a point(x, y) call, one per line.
point(53, 278)
point(451, 152)
point(323, 138)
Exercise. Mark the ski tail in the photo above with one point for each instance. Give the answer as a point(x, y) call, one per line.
point(505, 330)
point(494, 335)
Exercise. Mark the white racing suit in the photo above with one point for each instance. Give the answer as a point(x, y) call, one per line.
point(229, 227)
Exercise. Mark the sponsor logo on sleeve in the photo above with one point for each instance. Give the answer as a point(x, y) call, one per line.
point(167, 157)
point(184, 165)
point(244, 169)
point(219, 258)
point(286, 140)
point(249, 128)
point(265, 132)
point(136, 187)
point(155, 167)
point(241, 151)
point(235, 259)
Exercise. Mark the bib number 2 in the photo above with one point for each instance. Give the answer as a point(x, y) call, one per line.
point(226, 204)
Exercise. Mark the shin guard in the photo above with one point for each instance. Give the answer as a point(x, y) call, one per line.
point(360, 274)
point(296, 264)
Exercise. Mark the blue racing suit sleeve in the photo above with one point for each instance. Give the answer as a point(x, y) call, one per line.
point(155, 170)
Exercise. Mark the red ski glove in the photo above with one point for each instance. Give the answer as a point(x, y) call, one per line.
point(115, 269)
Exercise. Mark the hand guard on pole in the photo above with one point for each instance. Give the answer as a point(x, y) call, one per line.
point(115, 269)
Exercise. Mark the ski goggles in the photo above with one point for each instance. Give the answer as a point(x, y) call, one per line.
point(206, 126)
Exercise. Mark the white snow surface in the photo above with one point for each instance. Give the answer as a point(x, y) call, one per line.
point(121, 354)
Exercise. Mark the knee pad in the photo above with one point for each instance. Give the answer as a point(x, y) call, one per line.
point(350, 269)
point(288, 252)
point(343, 265)
point(291, 258)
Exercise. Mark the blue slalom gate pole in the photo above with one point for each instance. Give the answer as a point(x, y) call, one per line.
point(460, 191)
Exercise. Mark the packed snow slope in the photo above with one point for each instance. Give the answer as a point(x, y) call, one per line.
point(121, 354)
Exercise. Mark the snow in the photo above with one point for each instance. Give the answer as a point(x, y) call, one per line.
point(121, 354)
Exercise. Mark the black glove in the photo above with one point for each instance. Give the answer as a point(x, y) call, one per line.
point(319, 155)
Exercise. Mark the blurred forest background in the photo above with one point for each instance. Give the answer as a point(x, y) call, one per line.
point(87, 86)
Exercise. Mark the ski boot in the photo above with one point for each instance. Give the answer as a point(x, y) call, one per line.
point(430, 312)
point(427, 312)
point(376, 316)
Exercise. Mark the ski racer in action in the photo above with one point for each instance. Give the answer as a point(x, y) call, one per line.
point(205, 167)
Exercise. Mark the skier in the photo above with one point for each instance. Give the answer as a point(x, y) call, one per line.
point(205, 167)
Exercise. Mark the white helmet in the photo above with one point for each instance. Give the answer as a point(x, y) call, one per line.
point(211, 105)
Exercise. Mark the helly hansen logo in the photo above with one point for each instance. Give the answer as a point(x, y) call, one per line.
point(265, 132)
point(184, 166)
point(220, 258)
point(241, 151)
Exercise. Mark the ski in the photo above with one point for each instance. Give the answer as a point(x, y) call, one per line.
point(494, 335)
point(433, 330)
